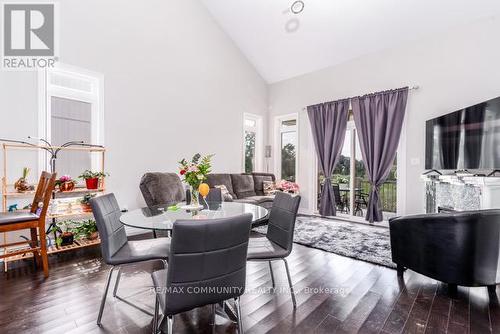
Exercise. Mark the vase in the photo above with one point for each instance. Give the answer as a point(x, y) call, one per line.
point(195, 196)
point(67, 186)
point(21, 185)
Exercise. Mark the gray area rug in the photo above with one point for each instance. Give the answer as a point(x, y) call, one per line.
point(355, 240)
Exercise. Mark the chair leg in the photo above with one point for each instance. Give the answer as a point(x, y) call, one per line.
point(43, 249)
point(104, 295)
point(290, 284)
point(115, 290)
point(212, 310)
point(34, 243)
point(170, 324)
point(154, 325)
point(272, 274)
point(238, 314)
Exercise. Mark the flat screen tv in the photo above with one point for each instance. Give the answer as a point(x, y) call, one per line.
point(465, 139)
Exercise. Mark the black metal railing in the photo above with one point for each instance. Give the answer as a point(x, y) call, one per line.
point(387, 192)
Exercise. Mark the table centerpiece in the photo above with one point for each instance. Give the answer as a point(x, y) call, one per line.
point(194, 173)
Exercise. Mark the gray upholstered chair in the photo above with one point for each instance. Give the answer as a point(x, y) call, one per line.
point(278, 242)
point(207, 265)
point(162, 188)
point(115, 247)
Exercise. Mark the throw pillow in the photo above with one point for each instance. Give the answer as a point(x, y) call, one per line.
point(226, 196)
point(269, 188)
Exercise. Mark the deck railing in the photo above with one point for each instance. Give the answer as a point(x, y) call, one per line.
point(387, 193)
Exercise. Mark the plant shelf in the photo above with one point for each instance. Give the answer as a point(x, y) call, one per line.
point(77, 244)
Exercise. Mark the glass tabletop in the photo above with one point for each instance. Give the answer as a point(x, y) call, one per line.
point(160, 218)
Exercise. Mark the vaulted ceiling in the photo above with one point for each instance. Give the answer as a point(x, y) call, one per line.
point(281, 44)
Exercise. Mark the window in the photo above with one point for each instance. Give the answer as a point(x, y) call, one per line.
point(252, 143)
point(72, 112)
point(286, 163)
point(352, 180)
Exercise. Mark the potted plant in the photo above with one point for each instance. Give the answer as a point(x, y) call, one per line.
point(194, 172)
point(85, 202)
point(21, 185)
point(65, 183)
point(92, 178)
point(64, 231)
point(87, 229)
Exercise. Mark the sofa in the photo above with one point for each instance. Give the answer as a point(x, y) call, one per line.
point(244, 188)
point(459, 248)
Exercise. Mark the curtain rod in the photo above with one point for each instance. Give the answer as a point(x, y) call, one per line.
point(409, 88)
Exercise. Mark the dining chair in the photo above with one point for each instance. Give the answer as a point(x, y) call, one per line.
point(207, 265)
point(339, 201)
point(115, 247)
point(278, 242)
point(33, 220)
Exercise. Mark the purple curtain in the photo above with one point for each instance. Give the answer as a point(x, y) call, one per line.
point(328, 124)
point(379, 118)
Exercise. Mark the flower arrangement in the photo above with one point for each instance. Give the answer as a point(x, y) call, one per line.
point(194, 172)
point(288, 187)
point(65, 183)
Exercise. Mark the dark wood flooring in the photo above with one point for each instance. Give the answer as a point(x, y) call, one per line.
point(362, 298)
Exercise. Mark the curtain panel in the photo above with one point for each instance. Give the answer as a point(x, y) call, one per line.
point(328, 124)
point(379, 119)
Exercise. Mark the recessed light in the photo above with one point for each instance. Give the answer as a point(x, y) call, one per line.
point(297, 7)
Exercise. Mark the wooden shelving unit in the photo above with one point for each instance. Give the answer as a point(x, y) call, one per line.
point(8, 192)
point(77, 244)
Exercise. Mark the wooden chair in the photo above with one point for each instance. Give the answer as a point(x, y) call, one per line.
point(33, 220)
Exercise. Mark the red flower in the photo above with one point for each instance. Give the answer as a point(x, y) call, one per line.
point(183, 171)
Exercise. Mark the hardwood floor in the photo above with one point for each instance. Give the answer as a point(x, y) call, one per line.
point(363, 298)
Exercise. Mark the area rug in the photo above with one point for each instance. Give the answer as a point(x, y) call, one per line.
point(355, 240)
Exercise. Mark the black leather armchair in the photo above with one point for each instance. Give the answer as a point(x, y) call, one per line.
point(455, 248)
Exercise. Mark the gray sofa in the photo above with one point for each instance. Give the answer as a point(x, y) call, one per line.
point(244, 188)
point(165, 188)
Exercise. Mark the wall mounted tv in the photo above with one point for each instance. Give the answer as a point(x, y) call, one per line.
point(465, 139)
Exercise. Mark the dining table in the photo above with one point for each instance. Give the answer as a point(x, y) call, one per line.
point(163, 218)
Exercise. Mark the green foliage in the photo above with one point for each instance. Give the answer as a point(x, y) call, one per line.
point(249, 151)
point(288, 155)
point(85, 228)
point(88, 174)
point(86, 199)
point(26, 172)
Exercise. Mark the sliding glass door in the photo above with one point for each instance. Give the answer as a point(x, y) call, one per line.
point(350, 181)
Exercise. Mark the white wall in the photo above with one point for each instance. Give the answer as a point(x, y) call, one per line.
point(453, 69)
point(175, 85)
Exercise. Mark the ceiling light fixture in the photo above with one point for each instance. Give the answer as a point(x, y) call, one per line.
point(297, 7)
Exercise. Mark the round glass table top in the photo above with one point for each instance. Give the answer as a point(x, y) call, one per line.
point(162, 218)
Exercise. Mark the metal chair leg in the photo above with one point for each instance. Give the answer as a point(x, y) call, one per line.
point(154, 325)
point(104, 295)
point(290, 284)
point(272, 274)
point(212, 310)
point(170, 324)
point(115, 290)
point(238, 314)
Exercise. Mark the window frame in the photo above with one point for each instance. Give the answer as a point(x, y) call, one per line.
point(278, 120)
point(259, 140)
point(47, 90)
